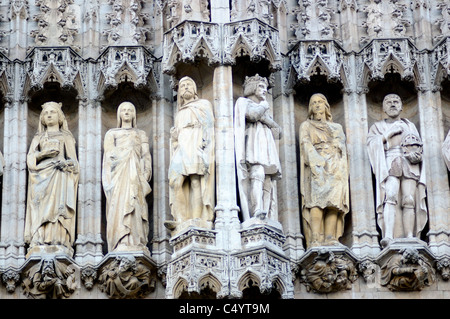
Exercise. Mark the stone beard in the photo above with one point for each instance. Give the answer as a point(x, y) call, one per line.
point(192, 160)
point(395, 153)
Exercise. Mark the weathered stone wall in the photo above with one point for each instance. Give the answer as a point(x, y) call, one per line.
point(92, 55)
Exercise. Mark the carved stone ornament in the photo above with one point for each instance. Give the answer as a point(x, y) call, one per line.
point(314, 20)
point(50, 278)
point(191, 40)
point(194, 271)
point(407, 269)
point(240, 39)
point(57, 22)
point(10, 279)
point(126, 23)
point(308, 58)
point(262, 263)
point(125, 277)
point(54, 65)
point(325, 270)
point(126, 64)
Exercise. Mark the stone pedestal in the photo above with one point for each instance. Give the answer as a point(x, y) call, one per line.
point(328, 269)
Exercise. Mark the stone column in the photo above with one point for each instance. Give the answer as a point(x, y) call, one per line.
point(15, 149)
point(287, 187)
point(162, 122)
point(438, 194)
point(422, 23)
point(364, 234)
point(89, 242)
point(227, 222)
point(19, 15)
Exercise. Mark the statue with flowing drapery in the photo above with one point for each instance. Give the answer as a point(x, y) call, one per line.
point(52, 182)
point(127, 170)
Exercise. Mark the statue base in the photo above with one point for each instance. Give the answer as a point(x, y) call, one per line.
point(178, 227)
point(131, 249)
point(40, 250)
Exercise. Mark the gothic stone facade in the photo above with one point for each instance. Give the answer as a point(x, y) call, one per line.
point(90, 55)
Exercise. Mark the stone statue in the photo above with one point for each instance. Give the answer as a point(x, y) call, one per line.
point(323, 175)
point(125, 278)
point(395, 153)
point(192, 162)
point(52, 183)
point(127, 169)
point(446, 150)
point(50, 279)
point(257, 162)
point(407, 271)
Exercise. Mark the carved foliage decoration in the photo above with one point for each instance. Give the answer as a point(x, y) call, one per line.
point(385, 19)
point(127, 23)
point(58, 22)
point(314, 20)
point(49, 279)
point(125, 277)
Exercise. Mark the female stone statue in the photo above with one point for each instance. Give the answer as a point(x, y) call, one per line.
point(323, 175)
point(126, 172)
point(52, 182)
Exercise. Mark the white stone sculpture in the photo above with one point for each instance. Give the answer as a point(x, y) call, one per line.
point(127, 169)
point(257, 161)
point(395, 153)
point(323, 175)
point(446, 150)
point(192, 164)
point(52, 183)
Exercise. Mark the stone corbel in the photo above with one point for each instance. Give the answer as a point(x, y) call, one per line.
point(406, 265)
point(11, 278)
point(328, 269)
point(49, 277)
point(127, 275)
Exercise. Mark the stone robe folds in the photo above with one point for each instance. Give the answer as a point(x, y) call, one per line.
point(192, 153)
point(254, 145)
point(125, 176)
point(381, 164)
point(327, 186)
point(446, 150)
point(52, 192)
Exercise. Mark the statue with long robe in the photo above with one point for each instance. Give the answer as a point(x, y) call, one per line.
point(446, 150)
point(324, 185)
point(127, 170)
point(192, 160)
point(257, 161)
point(396, 155)
point(52, 182)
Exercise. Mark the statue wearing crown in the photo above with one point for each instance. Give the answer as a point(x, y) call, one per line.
point(52, 184)
point(257, 161)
